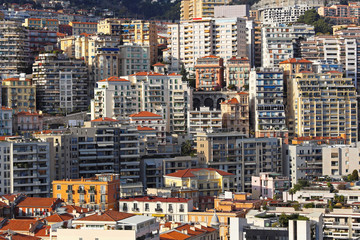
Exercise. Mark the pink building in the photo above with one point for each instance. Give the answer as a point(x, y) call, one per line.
point(269, 185)
point(209, 73)
point(26, 121)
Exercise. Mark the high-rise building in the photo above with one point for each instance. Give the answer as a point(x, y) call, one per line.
point(209, 73)
point(281, 42)
point(190, 9)
point(237, 73)
point(279, 14)
point(14, 48)
point(19, 94)
point(62, 84)
point(25, 167)
point(193, 39)
point(267, 103)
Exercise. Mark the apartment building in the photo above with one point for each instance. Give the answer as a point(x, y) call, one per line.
point(267, 102)
point(109, 26)
point(42, 23)
point(190, 9)
point(134, 58)
point(341, 49)
point(323, 105)
point(287, 3)
point(203, 120)
point(39, 39)
point(237, 73)
point(111, 225)
point(14, 45)
point(19, 94)
point(168, 209)
point(289, 14)
point(83, 27)
point(340, 160)
point(209, 73)
point(6, 116)
point(99, 192)
point(193, 39)
point(269, 185)
point(25, 122)
point(235, 113)
point(62, 84)
point(241, 10)
point(243, 157)
point(208, 182)
point(341, 14)
point(26, 167)
point(281, 42)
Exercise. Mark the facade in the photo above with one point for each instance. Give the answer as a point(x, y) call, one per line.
point(19, 94)
point(99, 192)
point(237, 73)
point(110, 225)
point(286, 3)
point(281, 42)
point(268, 185)
point(193, 39)
point(288, 14)
point(134, 58)
point(267, 103)
point(6, 119)
point(26, 168)
point(83, 27)
point(203, 120)
point(340, 160)
point(168, 209)
point(26, 122)
point(62, 84)
point(187, 231)
point(41, 23)
point(209, 72)
point(36, 207)
point(190, 9)
point(209, 181)
point(231, 11)
point(232, 152)
point(316, 99)
point(235, 113)
point(14, 44)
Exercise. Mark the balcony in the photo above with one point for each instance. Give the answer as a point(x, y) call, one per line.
point(81, 191)
point(135, 209)
point(70, 191)
point(158, 210)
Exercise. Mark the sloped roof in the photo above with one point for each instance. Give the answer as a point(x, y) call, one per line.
point(18, 224)
point(174, 235)
point(144, 114)
point(104, 119)
point(231, 101)
point(16, 236)
point(114, 79)
point(139, 128)
point(189, 172)
point(59, 217)
point(159, 64)
point(71, 208)
point(109, 215)
point(16, 79)
point(37, 202)
point(294, 60)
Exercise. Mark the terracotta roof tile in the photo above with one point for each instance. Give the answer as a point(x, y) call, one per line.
point(17, 236)
point(114, 79)
point(174, 74)
point(294, 60)
point(37, 202)
point(59, 217)
point(144, 114)
point(211, 56)
point(6, 108)
point(17, 225)
point(109, 215)
point(189, 172)
point(27, 114)
point(105, 119)
point(174, 235)
point(71, 208)
point(158, 65)
point(147, 74)
point(231, 101)
point(139, 128)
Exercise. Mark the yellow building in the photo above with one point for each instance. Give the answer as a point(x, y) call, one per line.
point(67, 44)
point(209, 181)
point(19, 94)
point(50, 24)
point(322, 105)
point(83, 27)
point(190, 9)
point(218, 220)
point(100, 192)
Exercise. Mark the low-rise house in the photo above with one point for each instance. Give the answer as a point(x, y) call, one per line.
point(37, 207)
point(269, 185)
point(170, 209)
point(173, 230)
point(235, 202)
point(111, 225)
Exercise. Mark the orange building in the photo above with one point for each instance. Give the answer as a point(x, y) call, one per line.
point(100, 192)
point(36, 207)
point(209, 73)
point(237, 202)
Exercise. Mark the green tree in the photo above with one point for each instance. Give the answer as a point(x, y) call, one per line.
point(283, 220)
point(311, 17)
point(184, 73)
point(186, 148)
point(355, 175)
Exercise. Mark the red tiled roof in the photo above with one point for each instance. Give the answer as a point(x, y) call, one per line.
point(60, 34)
point(306, 72)
point(154, 199)
point(294, 60)
point(174, 235)
point(109, 215)
point(15, 79)
point(139, 128)
point(147, 74)
point(158, 65)
point(231, 101)
point(37, 202)
point(104, 119)
point(144, 114)
point(27, 114)
point(71, 208)
point(188, 172)
point(334, 72)
point(10, 197)
point(59, 217)
point(6, 108)
point(210, 56)
point(174, 74)
point(18, 224)
point(17, 236)
point(114, 79)
point(243, 93)
point(44, 231)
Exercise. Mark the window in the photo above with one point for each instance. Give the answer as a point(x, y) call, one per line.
point(58, 187)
